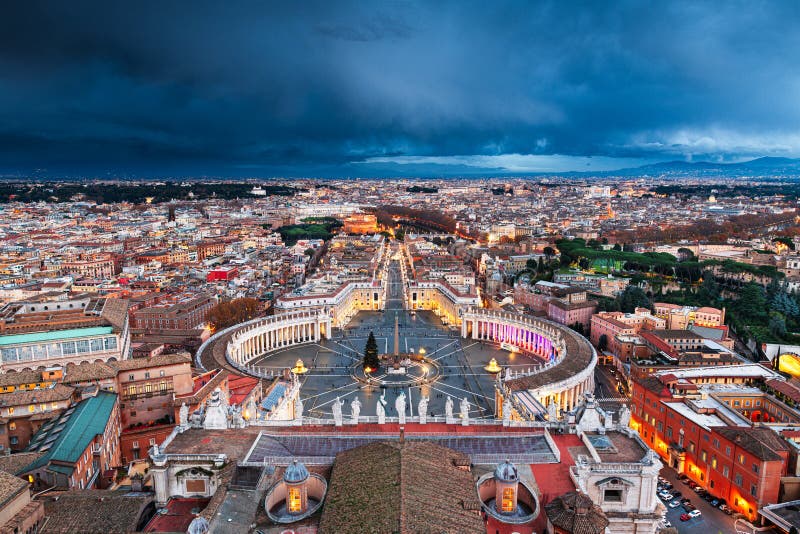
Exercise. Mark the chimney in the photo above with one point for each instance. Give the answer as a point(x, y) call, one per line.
point(402, 435)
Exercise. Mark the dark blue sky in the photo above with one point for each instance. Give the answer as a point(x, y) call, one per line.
point(393, 88)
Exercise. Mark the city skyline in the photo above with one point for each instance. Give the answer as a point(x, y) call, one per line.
point(392, 89)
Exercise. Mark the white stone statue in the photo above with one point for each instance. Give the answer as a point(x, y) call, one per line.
point(183, 416)
point(448, 410)
point(298, 409)
point(552, 411)
point(464, 411)
point(422, 410)
point(237, 421)
point(380, 409)
point(337, 411)
point(624, 416)
point(507, 407)
point(400, 406)
point(355, 410)
point(216, 416)
point(508, 373)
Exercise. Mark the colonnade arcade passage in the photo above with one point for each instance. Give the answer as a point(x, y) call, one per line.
point(524, 333)
point(275, 332)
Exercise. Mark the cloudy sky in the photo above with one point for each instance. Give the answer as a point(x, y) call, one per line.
point(394, 88)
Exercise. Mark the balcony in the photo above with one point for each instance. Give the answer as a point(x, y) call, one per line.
point(143, 393)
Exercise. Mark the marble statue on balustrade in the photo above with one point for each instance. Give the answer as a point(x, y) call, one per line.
point(507, 407)
point(183, 417)
point(552, 411)
point(380, 409)
point(298, 410)
point(508, 373)
point(464, 411)
point(237, 420)
point(422, 410)
point(216, 416)
point(624, 416)
point(337, 411)
point(400, 406)
point(448, 411)
point(355, 411)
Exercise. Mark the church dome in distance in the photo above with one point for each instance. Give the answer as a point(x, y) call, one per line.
point(506, 472)
point(295, 472)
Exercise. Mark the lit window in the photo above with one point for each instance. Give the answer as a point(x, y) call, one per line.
point(31, 408)
point(295, 500)
point(508, 500)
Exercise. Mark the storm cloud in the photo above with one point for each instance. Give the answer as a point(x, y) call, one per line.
point(361, 88)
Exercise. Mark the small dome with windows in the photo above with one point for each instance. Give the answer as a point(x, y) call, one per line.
point(295, 472)
point(506, 472)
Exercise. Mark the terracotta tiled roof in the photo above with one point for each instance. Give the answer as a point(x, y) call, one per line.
point(14, 463)
point(761, 442)
point(93, 511)
point(578, 358)
point(393, 487)
point(115, 311)
point(155, 361)
point(88, 372)
point(58, 392)
point(21, 377)
point(575, 512)
point(10, 487)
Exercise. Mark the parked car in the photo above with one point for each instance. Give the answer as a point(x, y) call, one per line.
point(674, 504)
point(686, 500)
point(714, 502)
point(667, 485)
point(692, 484)
point(676, 493)
point(694, 513)
point(688, 507)
point(685, 517)
point(684, 479)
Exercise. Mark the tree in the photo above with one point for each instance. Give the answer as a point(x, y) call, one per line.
point(633, 297)
point(685, 254)
point(549, 253)
point(777, 324)
point(752, 303)
point(602, 342)
point(709, 290)
point(617, 247)
point(225, 314)
point(399, 234)
point(371, 360)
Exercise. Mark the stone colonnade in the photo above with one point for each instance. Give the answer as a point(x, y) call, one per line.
point(542, 338)
point(275, 332)
point(525, 333)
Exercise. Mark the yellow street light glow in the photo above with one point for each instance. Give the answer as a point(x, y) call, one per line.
point(493, 367)
point(299, 367)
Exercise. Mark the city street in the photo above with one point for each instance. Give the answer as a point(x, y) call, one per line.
point(712, 520)
point(605, 389)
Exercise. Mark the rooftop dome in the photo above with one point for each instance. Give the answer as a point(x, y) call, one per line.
point(199, 525)
point(506, 472)
point(576, 513)
point(295, 472)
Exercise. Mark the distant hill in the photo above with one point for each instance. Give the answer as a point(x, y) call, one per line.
point(760, 167)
